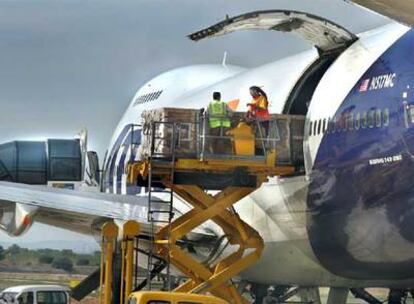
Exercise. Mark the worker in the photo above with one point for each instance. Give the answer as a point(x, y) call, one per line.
point(258, 109)
point(270, 298)
point(219, 123)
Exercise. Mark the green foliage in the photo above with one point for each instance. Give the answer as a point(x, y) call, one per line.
point(2, 253)
point(14, 249)
point(83, 262)
point(45, 259)
point(63, 263)
point(67, 252)
point(23, 258)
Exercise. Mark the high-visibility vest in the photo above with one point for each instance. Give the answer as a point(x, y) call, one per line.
point(218, 116)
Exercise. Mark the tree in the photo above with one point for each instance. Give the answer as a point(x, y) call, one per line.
point(45, 259)
point(63, 263)
point(67, 252)
point(2, 253)
point(14, 249)
point(83, 262)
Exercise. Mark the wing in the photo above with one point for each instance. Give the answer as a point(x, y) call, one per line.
point(80, 211)
point(399, 10)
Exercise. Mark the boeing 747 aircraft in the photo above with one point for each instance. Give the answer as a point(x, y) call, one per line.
point(346, 222)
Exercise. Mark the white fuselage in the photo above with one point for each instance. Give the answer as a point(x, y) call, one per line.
point(278, 209)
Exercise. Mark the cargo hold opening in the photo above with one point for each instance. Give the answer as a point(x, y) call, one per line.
point(301, 95)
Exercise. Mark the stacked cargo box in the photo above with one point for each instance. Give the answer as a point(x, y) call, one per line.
point(163, 120)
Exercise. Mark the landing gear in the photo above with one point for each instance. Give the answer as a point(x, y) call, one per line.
point(279, 293)
point(397, 296)
point(258, 292)
point(337, 295)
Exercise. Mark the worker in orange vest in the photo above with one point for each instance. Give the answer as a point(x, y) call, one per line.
point(258, 108)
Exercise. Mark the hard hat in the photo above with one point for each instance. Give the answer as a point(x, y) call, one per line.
point(271, 288)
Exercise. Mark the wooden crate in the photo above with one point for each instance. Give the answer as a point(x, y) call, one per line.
point(163, 119)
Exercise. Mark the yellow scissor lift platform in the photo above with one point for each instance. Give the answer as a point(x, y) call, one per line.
point(232, 178)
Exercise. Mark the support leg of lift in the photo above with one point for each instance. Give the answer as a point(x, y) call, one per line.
point(130, 232)
point(109, 236)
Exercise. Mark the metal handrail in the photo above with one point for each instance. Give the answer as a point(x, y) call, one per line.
point(202, 137)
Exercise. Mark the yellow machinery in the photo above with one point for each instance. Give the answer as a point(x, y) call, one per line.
point(144, 297)
point(109, 238)
point(232, 178)
point(131, 231)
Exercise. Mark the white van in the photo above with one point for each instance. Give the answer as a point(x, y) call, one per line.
point(36, 294)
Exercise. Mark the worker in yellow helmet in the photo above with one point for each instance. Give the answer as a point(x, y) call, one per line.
point(219, 123)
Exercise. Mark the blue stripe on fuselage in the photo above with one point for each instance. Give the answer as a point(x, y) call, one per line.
point(361, 194)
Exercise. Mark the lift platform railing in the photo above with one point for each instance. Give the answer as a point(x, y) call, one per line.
point(196, 140)
point(225, 139)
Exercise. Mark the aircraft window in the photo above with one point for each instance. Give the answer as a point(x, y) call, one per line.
point(350, 121)
point(315, 125)
point(338, 124)
point(310, 128)
point(324, 126)
point(386, 117)
point(332, 127)
point(319, 126)
point(371, 118)
point(364, 120)
point(343, 122)
point(357, 121)
point(328, 125)
point(411, 113)
point(378, 117)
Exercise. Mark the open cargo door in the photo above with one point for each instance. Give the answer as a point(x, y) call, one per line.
point(321, 33)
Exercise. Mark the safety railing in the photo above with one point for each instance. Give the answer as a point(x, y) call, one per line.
point(196, 139)
point(219, 143)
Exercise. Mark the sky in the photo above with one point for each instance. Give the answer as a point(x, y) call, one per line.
point(67, 65)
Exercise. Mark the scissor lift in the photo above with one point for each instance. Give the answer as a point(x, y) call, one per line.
point(230, 178)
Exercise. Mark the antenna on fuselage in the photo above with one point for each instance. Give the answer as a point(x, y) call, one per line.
point(224, 61)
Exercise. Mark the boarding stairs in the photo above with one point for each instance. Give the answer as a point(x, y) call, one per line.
point(211, 186)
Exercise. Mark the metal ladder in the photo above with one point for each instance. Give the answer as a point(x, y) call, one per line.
point(160, 210)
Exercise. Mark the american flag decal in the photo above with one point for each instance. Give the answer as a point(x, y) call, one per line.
point(364, 85)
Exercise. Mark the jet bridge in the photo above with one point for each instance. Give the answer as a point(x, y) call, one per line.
point(179, 157)
point(40, 162)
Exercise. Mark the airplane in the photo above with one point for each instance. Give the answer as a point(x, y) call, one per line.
point(346, 222)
